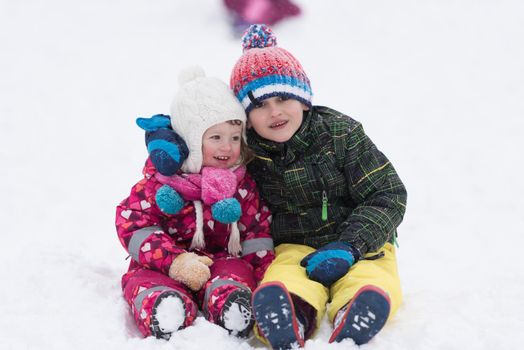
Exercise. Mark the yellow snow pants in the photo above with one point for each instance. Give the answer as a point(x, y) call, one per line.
point(381, 273)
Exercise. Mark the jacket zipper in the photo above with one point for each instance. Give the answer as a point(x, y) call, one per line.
point(324, 205)
point(320, 179)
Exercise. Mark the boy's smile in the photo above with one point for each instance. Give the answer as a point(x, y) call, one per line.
point(277, 119)
point(278, 124)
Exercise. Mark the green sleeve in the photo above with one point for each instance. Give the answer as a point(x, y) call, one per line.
point(377, 191)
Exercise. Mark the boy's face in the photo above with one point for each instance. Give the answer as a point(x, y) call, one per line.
point(221, 145)
point(276, 118)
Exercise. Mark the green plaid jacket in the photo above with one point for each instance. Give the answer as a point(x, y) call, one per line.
point(329, 157)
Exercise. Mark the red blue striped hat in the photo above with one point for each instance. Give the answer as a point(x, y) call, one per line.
point(265, 70)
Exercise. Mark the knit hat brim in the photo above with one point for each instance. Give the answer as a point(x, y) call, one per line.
point(275, 85)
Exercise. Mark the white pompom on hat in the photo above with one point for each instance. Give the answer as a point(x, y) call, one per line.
point(200, 103)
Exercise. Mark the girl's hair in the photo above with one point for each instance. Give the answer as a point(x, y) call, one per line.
point(246, 154)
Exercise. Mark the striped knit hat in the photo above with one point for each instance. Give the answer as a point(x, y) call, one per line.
point(265, 70)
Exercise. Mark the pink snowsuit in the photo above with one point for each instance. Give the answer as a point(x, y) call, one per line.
point(154, 239)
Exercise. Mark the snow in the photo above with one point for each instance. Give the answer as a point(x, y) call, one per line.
point(438, 85)
point(170, 314)
point(237, 318)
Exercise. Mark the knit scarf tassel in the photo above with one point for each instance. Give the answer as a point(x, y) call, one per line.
point(198, 241)
point(234, 247)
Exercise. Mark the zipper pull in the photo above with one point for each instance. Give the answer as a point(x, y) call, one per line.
point(324, 206)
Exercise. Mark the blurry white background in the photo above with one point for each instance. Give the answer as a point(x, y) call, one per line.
point(438, 85)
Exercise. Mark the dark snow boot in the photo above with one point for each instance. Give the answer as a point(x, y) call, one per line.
point(236, 315)
point(160, 329)
point(275, 316)
point(363, 317)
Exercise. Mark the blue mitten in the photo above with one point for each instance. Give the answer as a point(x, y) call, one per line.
point(166, 148)
point(158, 121)
point(329, 263)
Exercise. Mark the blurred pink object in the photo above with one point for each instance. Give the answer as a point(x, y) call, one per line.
point(247, 12)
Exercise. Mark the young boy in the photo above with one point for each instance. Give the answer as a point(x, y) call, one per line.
point(336, 202)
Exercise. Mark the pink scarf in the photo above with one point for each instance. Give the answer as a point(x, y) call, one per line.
point(211, 186)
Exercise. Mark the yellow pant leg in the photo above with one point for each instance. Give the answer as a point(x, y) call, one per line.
point(286, 269)
point(382, 273)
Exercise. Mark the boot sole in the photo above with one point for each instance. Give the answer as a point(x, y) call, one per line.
point(365, 316)
point(275, 316)
point(233, 297)
point(156, 331)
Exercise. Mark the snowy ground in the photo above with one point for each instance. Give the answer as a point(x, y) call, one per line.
point(438, 85)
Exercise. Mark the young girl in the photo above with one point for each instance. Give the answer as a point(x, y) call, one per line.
point(198, 236)
point(336, 202)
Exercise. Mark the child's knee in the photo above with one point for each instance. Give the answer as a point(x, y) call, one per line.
point(239, 268)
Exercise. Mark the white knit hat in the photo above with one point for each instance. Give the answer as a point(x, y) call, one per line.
point(200, 103)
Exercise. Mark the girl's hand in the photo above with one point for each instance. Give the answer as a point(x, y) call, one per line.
point(191, 269)
point(166, 148)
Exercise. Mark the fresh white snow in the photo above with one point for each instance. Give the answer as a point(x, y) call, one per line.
point(237, 317)
point(438, 85)
point(170, 314)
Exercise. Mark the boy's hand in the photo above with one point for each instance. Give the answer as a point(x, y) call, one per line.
point(191, 269)
point(330, 262)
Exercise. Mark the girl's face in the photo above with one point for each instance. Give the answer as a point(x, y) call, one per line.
point(277, 119)
point(221, 145)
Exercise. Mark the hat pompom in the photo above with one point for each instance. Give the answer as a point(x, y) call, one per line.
point(168, 200)
point(227, 210)
point(190, 74)
point(258, 36)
